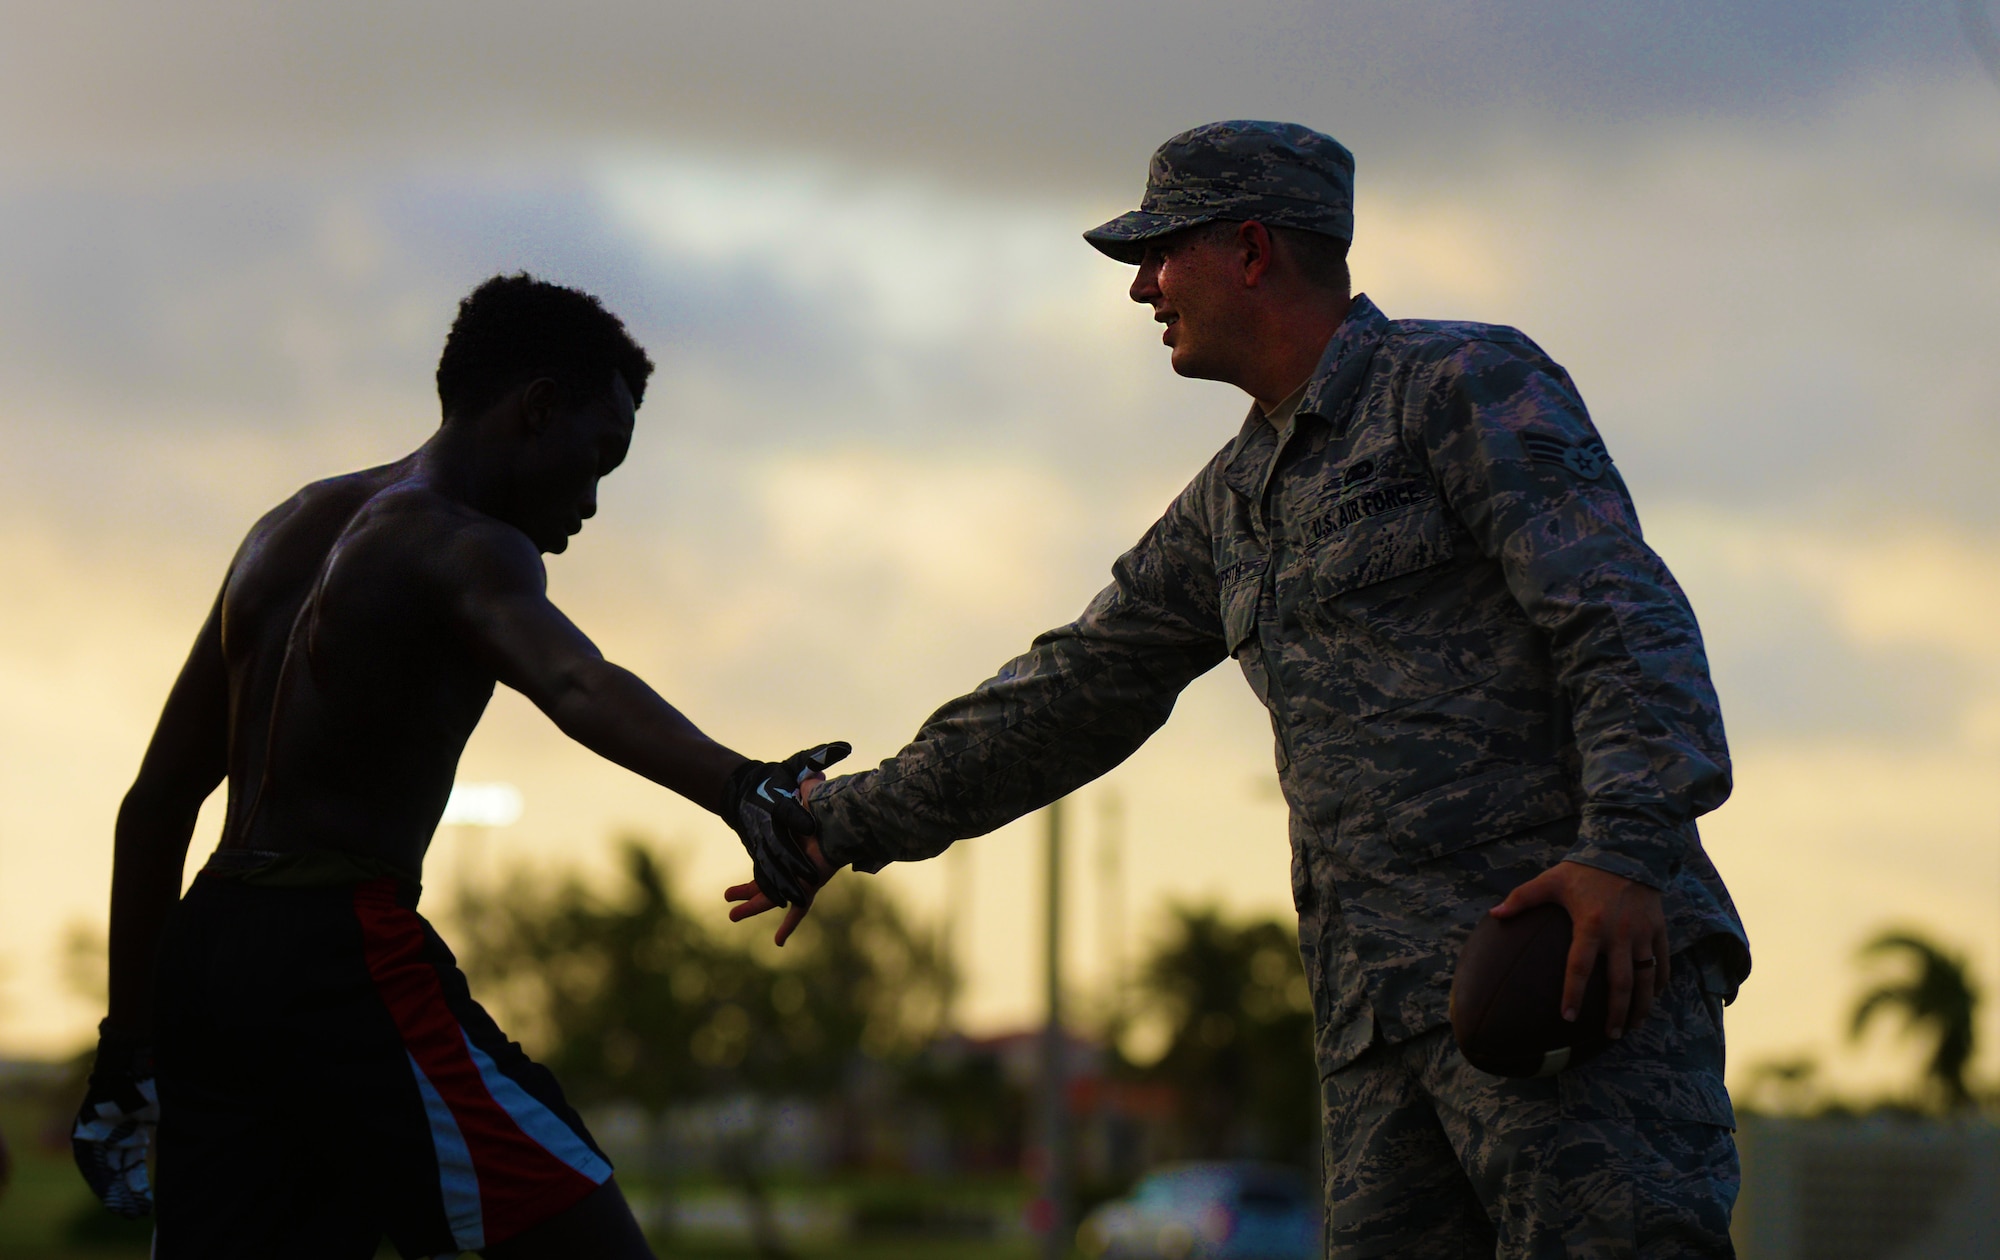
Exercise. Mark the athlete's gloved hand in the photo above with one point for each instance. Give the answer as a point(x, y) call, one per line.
point(760, 800)
point(114, 1127)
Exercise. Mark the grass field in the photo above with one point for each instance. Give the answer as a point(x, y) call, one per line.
point(46, 1213)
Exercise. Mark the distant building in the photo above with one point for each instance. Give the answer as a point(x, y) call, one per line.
point(1120, 1127)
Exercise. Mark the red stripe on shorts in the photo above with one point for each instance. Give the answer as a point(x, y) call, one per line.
point(520, 1182)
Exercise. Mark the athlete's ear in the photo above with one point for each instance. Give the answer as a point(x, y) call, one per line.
point(538, 405)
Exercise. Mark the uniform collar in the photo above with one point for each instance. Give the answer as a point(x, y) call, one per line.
point(1330, 396)
point(1345, 363)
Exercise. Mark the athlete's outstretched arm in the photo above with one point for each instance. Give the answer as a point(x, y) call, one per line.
point(503, 611)
point(187, 759)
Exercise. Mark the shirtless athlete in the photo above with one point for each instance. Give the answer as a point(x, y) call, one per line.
point(323, 1076)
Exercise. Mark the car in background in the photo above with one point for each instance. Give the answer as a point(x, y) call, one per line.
point(1234, 1210)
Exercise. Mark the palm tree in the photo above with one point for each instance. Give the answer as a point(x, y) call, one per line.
point(1940, 994)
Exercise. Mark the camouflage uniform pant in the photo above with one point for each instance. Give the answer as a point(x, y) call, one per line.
point(1631, 1154)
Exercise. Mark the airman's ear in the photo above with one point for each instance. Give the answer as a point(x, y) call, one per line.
point(1253, 243)
point(538, 404)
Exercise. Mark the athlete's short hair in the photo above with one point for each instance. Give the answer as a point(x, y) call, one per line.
point(514, 329)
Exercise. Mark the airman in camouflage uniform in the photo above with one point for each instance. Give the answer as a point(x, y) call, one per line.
point(1432, 575)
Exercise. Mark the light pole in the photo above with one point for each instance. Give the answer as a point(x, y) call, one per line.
point(1111, 910)
point(1055, 1108)
point(957, 926)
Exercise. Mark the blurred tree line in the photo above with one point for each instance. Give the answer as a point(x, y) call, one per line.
point(1239, 1050)
point(1936, 1000)
point(632, 998)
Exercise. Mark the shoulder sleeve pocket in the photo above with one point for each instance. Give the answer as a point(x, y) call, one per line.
point(1400, 628)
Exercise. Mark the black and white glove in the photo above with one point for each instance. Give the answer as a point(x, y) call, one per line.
point(114, 1127)
point(760, 800)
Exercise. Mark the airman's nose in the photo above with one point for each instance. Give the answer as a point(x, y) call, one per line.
point(1146, 284)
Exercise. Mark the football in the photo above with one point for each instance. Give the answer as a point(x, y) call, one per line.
point(1506, 997)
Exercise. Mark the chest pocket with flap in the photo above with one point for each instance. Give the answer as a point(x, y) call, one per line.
point(1384, 588)
point(1377, 535)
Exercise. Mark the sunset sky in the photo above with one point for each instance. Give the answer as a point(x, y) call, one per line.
point(905, 418)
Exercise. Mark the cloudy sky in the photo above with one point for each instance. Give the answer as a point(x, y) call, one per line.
point(905, 418)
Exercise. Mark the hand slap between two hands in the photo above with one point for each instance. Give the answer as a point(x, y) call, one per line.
point(114, 1127)
point(764, 803)
point(1610, 916)
point(751, 901)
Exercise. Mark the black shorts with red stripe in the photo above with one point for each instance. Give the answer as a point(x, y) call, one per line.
point(327, 1080)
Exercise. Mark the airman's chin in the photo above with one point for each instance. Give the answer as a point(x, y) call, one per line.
point(1191, 366)
point(556, 546)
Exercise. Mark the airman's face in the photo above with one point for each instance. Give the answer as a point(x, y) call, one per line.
point(1193, 281)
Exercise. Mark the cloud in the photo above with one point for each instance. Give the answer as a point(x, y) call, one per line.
point(977, 537)
point(923, 386)
point(1049, 96)
point(1885, 633)
point(1750, 316)
point(1753, 317)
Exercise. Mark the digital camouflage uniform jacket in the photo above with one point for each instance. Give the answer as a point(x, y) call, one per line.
point(1434, 580)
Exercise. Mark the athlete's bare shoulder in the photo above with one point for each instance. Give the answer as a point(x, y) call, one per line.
point(278, 559)
point(316, 506)
point(412, 528)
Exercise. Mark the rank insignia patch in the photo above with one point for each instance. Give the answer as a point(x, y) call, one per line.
point(1587, 459)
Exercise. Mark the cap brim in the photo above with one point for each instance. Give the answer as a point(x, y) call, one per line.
point(1125, 237)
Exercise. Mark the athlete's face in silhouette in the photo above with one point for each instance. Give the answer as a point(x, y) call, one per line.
point(564, 451)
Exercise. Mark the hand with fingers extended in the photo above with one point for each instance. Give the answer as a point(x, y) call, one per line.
point(751, 901)
point(1610, 916)
point(764, 802)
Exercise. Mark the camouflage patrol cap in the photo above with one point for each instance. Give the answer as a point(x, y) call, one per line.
point(1280, 174)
